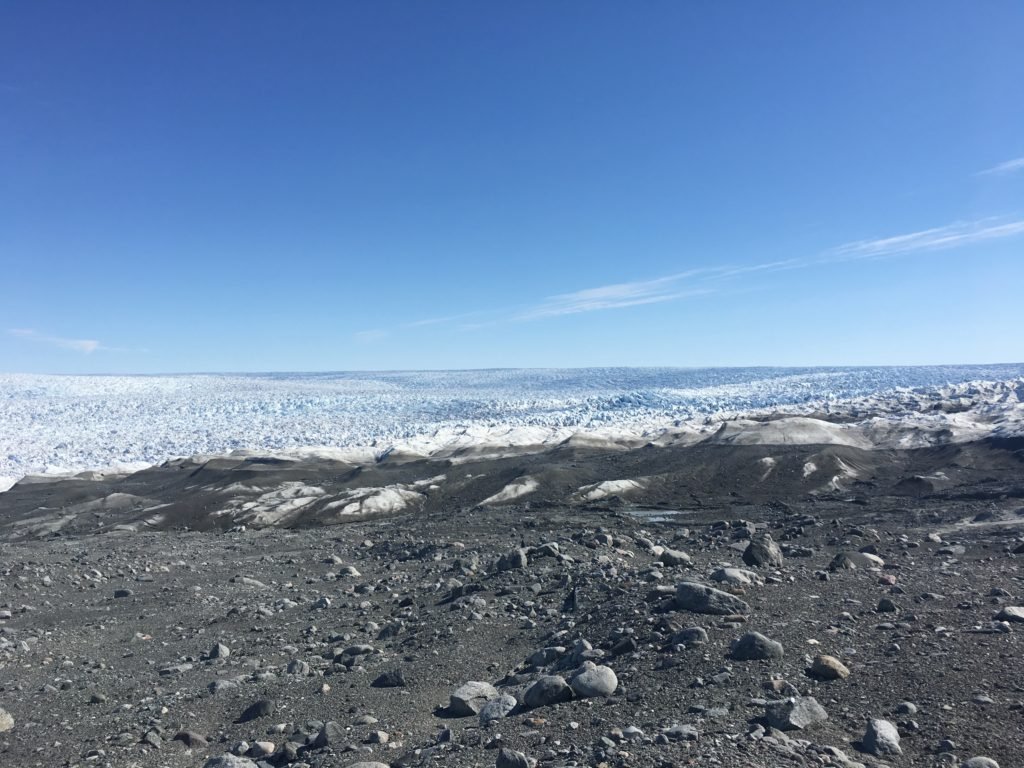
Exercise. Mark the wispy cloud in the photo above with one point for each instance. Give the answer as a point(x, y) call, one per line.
point(370, 336)
point(86, 346)
point(1010, 166)
point(949, 236)
point(708, 280)
point(614, 296)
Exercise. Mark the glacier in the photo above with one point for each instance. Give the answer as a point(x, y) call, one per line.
point(60, 424)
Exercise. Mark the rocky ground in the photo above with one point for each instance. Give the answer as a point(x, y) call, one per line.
point(726, 615)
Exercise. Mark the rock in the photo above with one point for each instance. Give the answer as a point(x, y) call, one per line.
point(906, 708)
point(513, 560)
point(979, 762)
point(509, 758)
point(393, 678)
point(122, 593)
point(881, 738)
point(737, 577)
point(794, 713)
point(887, 605)
point(681, 733)
point(368, 764)
point(763, 551)
point(754, 646)
point(257, 709)
point(219, 651)
point(331, 734)
point(594, 681)
point(853, 560)
point(828, 668)
point(550, 689)
point(1013, 613)
point(229, 761)
point(498, 708)
point(6, 720)
point(470, 698)
point(690, 636)
point(190, 739)
point(700, 598)
point(378, 737)
point(674, 557)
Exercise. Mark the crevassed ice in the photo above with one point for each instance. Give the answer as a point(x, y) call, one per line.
point(72, 423)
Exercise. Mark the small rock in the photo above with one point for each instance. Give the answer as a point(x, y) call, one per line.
point(6, 720)
point(795, 713)
point(509, 758)
point(979, 762)
point(700, 598)
point(828, 668)
point(257, 709)
point(763, 550)
point(190, 739)
point(229, 761)
point(754, 646)
point(882, 738)
point(498, 708)
point(550, 689)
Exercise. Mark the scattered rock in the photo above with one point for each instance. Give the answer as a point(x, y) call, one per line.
point(794, 713)
point(469, 698)
point(548, 690)
point(699, 598)
point(881, 738)
point(763, 551)
point(754, 646)
point(828, 668)
point(593, 681)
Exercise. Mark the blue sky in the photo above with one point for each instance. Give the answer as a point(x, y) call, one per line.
point(253, 186)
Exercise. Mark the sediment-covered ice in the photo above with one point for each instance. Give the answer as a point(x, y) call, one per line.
point(73, 423)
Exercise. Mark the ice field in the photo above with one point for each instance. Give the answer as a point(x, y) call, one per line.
point(73, 423)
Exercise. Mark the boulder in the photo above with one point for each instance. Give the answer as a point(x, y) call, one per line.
point(794, 713)
point(469, 698)
point(699, 598)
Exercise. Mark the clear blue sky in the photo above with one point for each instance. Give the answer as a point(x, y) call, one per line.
point(252, 186)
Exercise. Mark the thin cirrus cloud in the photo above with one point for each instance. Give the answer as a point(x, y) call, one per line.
point(708, 280)
point(1010, 166)
point(949, 236)
point(86, 346)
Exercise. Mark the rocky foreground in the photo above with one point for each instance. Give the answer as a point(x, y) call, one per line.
point(736, 605)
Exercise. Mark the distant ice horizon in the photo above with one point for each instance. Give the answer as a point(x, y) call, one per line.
point(69, 422)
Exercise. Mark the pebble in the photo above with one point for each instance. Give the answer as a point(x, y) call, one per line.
point(6, 720)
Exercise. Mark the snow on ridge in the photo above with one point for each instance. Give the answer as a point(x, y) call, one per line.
point(74, 423)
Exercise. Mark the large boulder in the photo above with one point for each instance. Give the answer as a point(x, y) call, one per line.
point(593, 681)
point(469, 698)
point(548, 690)
point(700, 598)
point(762, 550)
